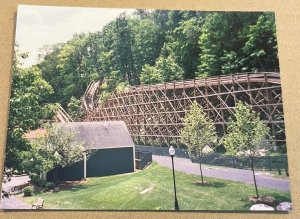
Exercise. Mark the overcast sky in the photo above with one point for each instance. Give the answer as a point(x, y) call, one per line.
point(42, 25)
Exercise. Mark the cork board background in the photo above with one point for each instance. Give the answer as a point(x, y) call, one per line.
point(288, 34)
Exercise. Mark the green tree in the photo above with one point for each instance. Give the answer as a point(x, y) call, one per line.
point(147, 43)
point(58, 148)
point(74, 109)
point(169, 69)
point(150, 75)
point(69, 67)
point(29, 92)
point(48, 66)
point(165, 70)
point(231, 62)
point(73, 76)
point(198, 132)
point(123, 51)
point(222, 34)
point(35, 161)
point(185, 46)
point(166, 20)
point(260, 50)
point(245, 135)
point(108, 57)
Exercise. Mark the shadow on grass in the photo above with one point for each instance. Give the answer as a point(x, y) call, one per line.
point(75, 188)
point(280, 198)
point(211, 184)
point(37, 192)
point(246, 202)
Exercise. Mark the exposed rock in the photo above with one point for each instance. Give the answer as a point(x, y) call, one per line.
point(267, 200)
point(284, 206)
point(261, 207)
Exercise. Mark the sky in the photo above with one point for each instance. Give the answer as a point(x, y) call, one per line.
point(47, 25)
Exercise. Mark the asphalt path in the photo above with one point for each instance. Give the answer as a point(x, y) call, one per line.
point(15, 181)
point(13, 202)
point(263, 179)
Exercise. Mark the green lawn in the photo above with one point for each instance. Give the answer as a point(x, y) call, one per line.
point(152, 189)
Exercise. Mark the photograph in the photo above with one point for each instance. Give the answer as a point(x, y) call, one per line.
point(129, 109)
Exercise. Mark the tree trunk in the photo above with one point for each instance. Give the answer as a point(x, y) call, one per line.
point(252, 167)
point(200, 161)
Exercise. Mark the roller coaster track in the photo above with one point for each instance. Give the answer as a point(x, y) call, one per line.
point(62, 115)
point(89, 96)
point(153, 113)
point(87, 103)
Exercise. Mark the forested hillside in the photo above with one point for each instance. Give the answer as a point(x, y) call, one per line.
point(159, 46)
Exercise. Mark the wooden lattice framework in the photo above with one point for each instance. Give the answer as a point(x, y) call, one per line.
point(153, 113)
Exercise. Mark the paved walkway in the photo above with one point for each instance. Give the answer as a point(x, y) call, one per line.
point(16, 181)
point(238, 175)
point(13, 202)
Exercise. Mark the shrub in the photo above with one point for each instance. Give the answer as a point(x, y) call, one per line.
point(28, 191)
point(41, 183)
point(34, 177)
point(36, 180)
point(49, 185)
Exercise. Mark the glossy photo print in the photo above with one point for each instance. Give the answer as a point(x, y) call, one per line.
point(145, 110)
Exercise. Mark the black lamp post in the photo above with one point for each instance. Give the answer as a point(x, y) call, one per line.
point(172, 153)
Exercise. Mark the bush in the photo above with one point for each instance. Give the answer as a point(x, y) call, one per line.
point(49, 185)
point(28, 191)
point(41, 183)
point(34, 177)
point(36, 180)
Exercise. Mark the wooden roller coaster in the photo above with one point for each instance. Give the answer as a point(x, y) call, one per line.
point(89, 96)
point(62, 115)
point(153, 113)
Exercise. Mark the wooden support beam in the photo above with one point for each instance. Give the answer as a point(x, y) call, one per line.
point(153, 113)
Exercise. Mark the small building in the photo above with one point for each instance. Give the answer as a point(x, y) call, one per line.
point(110, 146)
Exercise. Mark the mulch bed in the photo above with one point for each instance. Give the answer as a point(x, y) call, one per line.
point(267, 200)
point(199, 183)
point(69, 184)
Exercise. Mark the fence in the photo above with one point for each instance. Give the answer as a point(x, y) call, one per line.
point(142, 159)
point(269, 163)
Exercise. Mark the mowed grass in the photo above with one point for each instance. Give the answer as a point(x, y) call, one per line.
point(152, 189)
